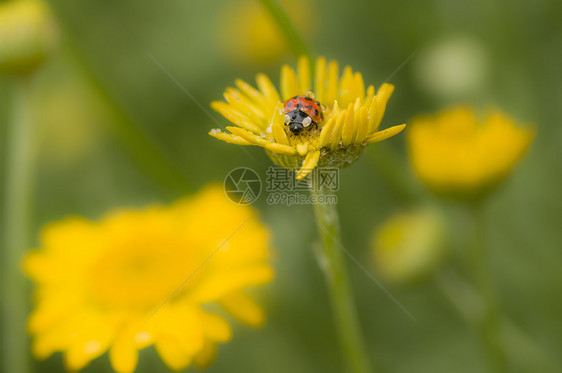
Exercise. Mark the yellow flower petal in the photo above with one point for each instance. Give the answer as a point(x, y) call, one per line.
point(251, 92)
point(320, 79)
point(359, 86)
point(308, 165)
point(384, 134)
point(362, 125)
point(216, 328)
point(224, 283)
point(338, 129)
point(302, 148)
point(179, 335)
point(289, 86)
point(267, 88)
point(54, 339)
point(172, 354)
point(235, 117)
point(280, 148)
point(244, 106)
point(348, 131)
point(304, 75)
point(50, 313)
point(333, 83)
point(382, 96)
point(123, 354)
point(278, 125)
point(96, 335)
point(228, 137)
point(243, 308)
point(327, 130)
point(347, 92)
point(181, 324)
point(206, 356)
point(248, 136)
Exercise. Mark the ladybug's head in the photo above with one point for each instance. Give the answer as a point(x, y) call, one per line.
point(297, 121)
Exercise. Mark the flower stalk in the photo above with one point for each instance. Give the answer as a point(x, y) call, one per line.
point(332, 262)
point(17, 218)
point(489, 324)
point(287, 27)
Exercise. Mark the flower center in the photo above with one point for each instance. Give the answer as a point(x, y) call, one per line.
point(139, 274)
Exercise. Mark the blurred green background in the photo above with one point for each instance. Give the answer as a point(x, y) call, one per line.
point(102, 90)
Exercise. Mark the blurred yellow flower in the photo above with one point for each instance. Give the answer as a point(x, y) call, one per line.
point(408, 245)
point(249, 34)
point(140, 278)
point(352, 115)
point(457, 154)
point(27, 36)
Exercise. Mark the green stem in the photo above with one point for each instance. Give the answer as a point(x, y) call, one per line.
point(469, 304)
point(293, 37)
point(148, 156)
point(490, 322)
point(18, 211)
point(331, 259)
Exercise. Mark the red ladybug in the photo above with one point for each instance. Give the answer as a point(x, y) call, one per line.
point(301, 112)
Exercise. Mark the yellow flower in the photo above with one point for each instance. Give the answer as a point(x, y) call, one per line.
point(408, 245)
point(457, 154)
point(140, 278)
point(248, 33)
point(27, 36)
point(352, 115)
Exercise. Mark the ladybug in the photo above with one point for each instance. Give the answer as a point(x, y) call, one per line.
point(301, 112)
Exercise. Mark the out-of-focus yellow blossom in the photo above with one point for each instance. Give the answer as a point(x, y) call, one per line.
point(141, 277)
point(352, 115)
point(249, 35)
point(457, 154)
point(408, 245)
point(27, 36)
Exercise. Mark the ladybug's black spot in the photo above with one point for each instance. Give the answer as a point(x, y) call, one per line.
point(318, 103)
point(310, 107)
point(314, 112)
point(308, 98)
point(299, 106)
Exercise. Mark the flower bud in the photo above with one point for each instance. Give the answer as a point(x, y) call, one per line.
point(454, 68)
point(27, 36)
point(408, 245)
